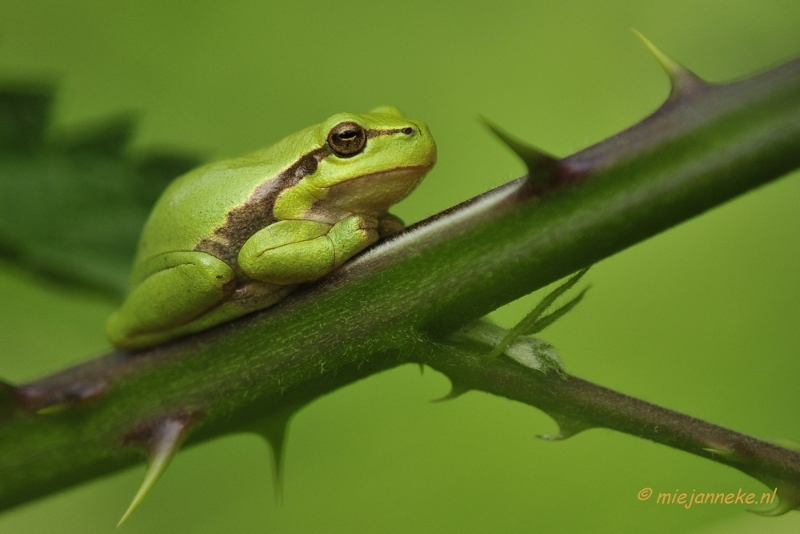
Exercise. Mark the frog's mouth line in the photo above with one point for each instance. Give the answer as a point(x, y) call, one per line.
point(416, 170)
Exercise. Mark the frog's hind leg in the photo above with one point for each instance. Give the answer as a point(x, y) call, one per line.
point(173, 290)
point(244, 300)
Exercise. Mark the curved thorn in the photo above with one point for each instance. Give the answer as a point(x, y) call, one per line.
point(274, 430)
point(541, 165)
point(164, 441)
point(726, 453)
point(456, 391)
point(47, 401)
point(788, 495)
point(567, 427)
point(784, 506)
point(552, 437)
point(681, 78)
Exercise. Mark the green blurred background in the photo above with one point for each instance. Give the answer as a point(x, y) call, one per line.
point(702, 319)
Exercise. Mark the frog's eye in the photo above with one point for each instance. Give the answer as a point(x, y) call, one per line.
point(347, 139)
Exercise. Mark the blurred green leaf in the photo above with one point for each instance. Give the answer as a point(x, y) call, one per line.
point(24, 114)
point(72, 204)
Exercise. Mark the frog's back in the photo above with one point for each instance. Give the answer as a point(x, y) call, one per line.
point(198, 202)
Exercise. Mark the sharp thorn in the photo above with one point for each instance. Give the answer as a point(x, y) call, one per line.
point(164, 440)
point(39, 400)
point(456, 391)
point(725, 453)
point(784, 506)
point(275, 429)
point(788, 495)
point(728, 451)
point(567, 427)
point(681, 79)
point(552, 437)
point(541, 165)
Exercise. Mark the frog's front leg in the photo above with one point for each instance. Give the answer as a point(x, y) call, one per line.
point(173, 289)
point(296, 251)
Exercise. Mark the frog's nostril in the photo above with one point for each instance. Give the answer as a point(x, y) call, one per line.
point(408, 131)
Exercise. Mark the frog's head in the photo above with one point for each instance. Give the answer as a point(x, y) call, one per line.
point(371, 161)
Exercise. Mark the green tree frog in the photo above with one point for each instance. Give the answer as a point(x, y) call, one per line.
point(238, 235)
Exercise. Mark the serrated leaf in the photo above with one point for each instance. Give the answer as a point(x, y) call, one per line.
point(24, 114)
point(109, 136)
point(72, 210)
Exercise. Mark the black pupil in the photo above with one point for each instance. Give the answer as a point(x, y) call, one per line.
point(347, 139)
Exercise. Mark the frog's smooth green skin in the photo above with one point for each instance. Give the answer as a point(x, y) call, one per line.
point(238, 235)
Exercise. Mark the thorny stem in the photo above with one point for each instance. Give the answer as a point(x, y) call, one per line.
point(578, 405)
point(403, 301)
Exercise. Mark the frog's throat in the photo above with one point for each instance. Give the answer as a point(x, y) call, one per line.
point(371, 194)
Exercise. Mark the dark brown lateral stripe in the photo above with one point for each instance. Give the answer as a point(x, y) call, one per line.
point(256, 213)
